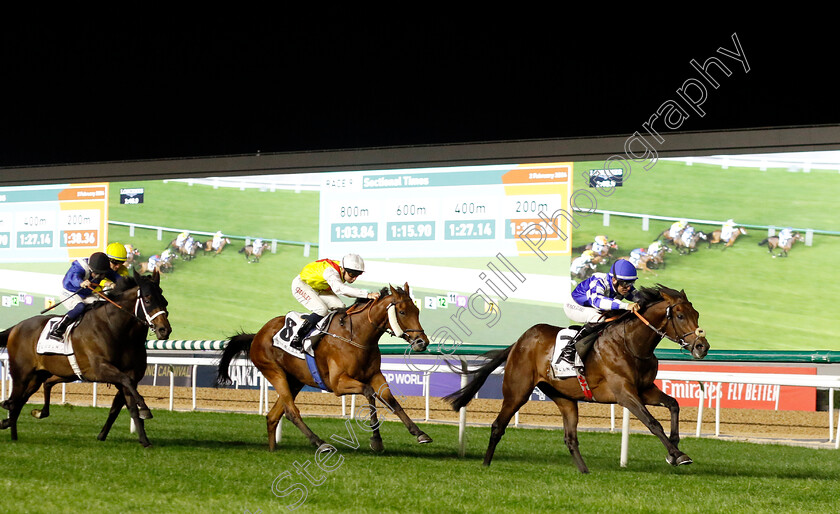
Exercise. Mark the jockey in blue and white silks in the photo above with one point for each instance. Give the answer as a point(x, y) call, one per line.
point(785, 236)
point(602, 292)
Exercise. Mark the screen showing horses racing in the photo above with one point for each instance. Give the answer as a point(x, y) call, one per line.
point(486, 250)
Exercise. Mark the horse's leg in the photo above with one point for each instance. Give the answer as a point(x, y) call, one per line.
point(655, 396)
point(285, 405)
point(136, 414)
point(21, 391)
point(44, 411)
point(107, 372)
point(516, 391)
point(569, 410)
point(116, 406)
point(383, 391)
point(633, 403)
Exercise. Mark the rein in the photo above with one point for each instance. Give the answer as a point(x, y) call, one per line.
point(387, 326)
point(137, 306)
point(679, 340)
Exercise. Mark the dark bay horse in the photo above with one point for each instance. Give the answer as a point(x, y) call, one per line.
point(620, 368)
point(348, 360)
point(772, 243)
point(109, 346)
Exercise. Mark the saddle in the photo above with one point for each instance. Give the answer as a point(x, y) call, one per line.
point(49, 346)
point(283, 338)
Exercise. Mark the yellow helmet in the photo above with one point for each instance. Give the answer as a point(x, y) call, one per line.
point(601, 240)
point(116, 251)
point(589, 253)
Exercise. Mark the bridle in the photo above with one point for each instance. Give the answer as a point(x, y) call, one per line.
point(140, 306)
point(391, 325)
point(680, 340)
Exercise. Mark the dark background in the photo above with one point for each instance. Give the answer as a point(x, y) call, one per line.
point(101, 92)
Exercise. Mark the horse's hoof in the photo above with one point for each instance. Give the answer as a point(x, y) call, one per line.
point(38, 414)
point(423, 439)
point(377, 446)
point(679, 461)
point(145, 414)
point(4, 424)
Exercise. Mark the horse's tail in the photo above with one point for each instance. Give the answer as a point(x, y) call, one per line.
point(240, 343)
point(242, 250)
point(4, 337)
point(763, 241)
point(465, 395)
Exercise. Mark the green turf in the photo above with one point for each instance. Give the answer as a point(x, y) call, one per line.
point(211, 462)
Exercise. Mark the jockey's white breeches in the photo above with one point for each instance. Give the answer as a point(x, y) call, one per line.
point(318, 302)
point(580, 314)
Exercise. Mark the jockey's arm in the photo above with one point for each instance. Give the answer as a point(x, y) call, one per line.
point(338, 287)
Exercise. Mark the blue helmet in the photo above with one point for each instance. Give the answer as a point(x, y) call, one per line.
point(623, 269)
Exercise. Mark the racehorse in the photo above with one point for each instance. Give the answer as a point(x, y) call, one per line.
point(131, 255)
point(347, 358)
point(190, 248)
point(714, 237)
point(686, 247)
point(252, 253)
point(772, 242)
point(109, 345)
point(208, 246)
point(620, 368)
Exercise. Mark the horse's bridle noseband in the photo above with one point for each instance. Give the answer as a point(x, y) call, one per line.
point(140, 306)
point(680, 340)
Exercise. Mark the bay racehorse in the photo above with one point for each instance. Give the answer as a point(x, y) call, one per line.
point(221, 243)
point(347, 358)
point(714, 237)
point(620, 368)
point(254, 252)
point(109, 346)
point(772, 243)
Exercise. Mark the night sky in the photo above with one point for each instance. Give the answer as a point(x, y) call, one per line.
point(124, 93)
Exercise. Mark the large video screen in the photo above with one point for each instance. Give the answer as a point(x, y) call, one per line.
point(487, 251)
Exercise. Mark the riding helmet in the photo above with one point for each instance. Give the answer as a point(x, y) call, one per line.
point(353, 262)
point(116, 251)
point(623, 269)
point(99, 263)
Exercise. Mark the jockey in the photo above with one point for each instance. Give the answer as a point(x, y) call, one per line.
point(599, 293)
point(317, 288)
point(676, 228)
point(600, 244)
point(636, 256)
point(726, 230)
point(785, 235)
point(182, 237)
point(582, 263)
point(117, 254)
point(654, 248)
point(687, 234)
point(77, 293)
point(217, 240)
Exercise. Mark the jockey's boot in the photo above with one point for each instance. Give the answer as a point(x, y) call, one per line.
point(58, 329)
point(582, 341)
point(568, 354)
point(308, 324)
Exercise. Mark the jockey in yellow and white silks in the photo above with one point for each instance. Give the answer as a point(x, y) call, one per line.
point(676, 229)
point(181, 239)
point(217, 240)
point(317, 288)
point(726, 230)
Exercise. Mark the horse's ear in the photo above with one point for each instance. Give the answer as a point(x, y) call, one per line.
point(156, 276)
point(667, 297)
point(393, 291)
point(406, 288)
point(136, 275)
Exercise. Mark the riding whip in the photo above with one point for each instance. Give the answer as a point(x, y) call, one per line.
point(53, 306)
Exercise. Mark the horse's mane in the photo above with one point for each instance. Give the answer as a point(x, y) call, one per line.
point(649, 296)
point(364, 301)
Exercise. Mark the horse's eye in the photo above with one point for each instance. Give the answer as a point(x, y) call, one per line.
point(680, 316)
point(402, 313)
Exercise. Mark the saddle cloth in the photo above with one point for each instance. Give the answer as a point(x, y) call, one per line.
point(49, 346)
point(283, 338)
point(559, 367)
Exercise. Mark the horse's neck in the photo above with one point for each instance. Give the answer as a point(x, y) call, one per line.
point(645, 339)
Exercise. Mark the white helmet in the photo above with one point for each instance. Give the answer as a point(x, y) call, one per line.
point(353, 262)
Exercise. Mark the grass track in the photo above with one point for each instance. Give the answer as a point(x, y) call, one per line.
point(212, 462)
